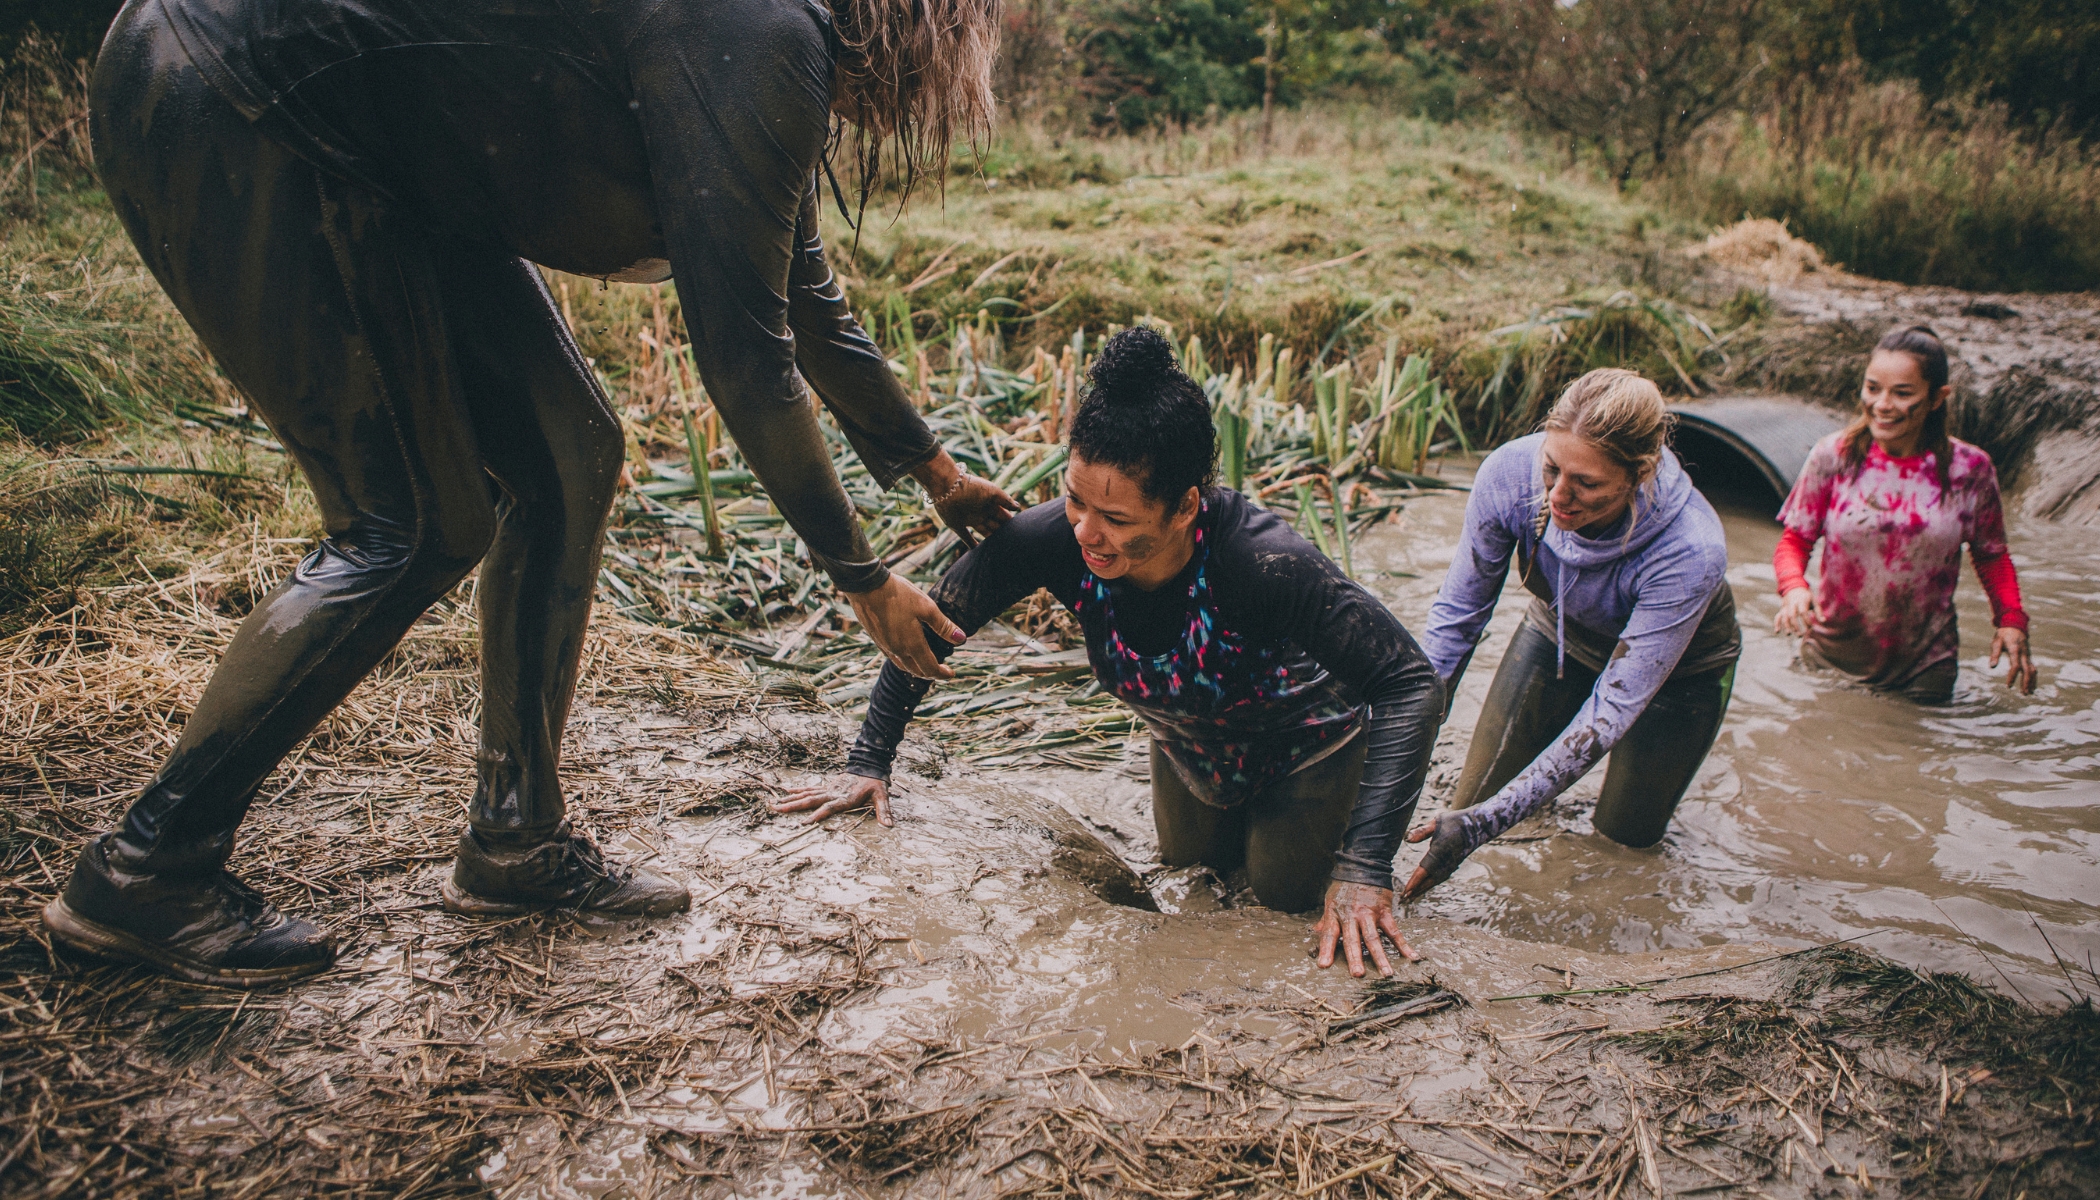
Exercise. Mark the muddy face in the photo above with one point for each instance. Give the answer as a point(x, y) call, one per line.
point(1897, 399)
point(1122, 532)
point(1585, 489)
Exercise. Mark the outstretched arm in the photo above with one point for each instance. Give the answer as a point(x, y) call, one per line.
point(1033, 549)
point(1667, 615)
point(1300, 596)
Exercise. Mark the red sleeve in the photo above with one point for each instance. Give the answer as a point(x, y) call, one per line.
point(2002, 584)
point(1790, 563)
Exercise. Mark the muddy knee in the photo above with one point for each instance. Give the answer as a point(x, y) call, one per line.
point(417, 565)
point(1289, 887)
point(1635, 821)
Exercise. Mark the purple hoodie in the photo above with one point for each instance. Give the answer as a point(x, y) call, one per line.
point(1636, 606)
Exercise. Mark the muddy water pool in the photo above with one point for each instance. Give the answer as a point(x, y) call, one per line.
point(1969, 835)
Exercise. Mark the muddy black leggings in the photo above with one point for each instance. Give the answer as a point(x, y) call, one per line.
point(1286, 836)
point(432, 396)
point(1651, 767)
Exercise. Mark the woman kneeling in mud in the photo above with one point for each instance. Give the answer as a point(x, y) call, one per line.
point(1291, 715)
point(1893, 498)
point(1630, 643)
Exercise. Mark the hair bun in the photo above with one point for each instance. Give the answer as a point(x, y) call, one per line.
point(1135, 362)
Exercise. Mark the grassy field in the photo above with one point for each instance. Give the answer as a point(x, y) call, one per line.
point(1435, 232)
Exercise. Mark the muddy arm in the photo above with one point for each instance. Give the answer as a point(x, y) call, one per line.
point(846, 370)
point(1671, 605)
point(1034, 550)
point(734, 99)
point(1296, 593)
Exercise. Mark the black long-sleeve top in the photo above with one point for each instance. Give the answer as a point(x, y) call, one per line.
point(1277, 658)
point(608, 137)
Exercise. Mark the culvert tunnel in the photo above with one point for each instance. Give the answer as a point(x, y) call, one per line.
point(1746, 451)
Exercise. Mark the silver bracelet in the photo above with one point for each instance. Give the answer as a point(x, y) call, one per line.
point(948, 493)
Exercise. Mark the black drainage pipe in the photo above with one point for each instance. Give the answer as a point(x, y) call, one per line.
point(1749, 448)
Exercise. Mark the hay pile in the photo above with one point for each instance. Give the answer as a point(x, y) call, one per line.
point(1762, 248)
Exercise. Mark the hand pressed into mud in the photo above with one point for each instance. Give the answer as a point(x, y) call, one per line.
point(1443, 856)
point(1355, 915)
point(843, 794)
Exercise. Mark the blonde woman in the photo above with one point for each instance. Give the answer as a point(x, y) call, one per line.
point(1629, 646)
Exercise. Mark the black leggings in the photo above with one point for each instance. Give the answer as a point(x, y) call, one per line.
point(1286, 835)
point(432, 396)
point(1651, 767)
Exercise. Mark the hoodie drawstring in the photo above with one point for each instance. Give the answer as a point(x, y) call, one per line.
point(1560, 621)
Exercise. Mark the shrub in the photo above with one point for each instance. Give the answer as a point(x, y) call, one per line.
point(1629, 80)
point(1898, 189)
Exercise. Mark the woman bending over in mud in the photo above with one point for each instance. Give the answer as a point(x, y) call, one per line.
point(1893, 498)
point(1629, 645)
point(1291, 715)
point(347, 200)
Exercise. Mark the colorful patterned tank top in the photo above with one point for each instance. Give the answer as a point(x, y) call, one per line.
point(1232, 717)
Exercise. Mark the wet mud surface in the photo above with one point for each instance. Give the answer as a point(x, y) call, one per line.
point(1968, 834)
point(952, 1007)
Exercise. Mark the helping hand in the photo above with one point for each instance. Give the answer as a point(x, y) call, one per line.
point(836, 796)
point(1796, 611)
point(978, 506)
point(2012, 643)
point(1356, 913)
point(892, 615)
point(1443, 856)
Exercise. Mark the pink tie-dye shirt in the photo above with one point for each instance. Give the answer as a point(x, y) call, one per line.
point(1892, 554)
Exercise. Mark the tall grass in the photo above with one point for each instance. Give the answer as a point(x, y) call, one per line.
point(1897, 188)
point(86, 337)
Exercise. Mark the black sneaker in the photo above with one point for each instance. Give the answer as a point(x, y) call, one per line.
point(565, 871)
point(205, 927)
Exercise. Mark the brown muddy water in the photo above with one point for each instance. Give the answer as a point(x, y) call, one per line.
point(1961, 838)
point(950, 1007)
point(1952, 839)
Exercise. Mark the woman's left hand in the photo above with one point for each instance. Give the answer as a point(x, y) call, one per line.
point(1446, 851)
point(1356, 914)
point(2012, 643)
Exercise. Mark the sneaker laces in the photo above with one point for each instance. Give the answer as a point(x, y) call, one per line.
point(246, 904)
point(581, 856)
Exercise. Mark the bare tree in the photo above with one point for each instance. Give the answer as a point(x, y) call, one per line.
point(1632, 80)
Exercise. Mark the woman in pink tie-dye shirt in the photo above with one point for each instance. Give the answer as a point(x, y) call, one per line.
point(1893, 499)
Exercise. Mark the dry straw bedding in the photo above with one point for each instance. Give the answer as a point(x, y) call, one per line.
point(439, 1041)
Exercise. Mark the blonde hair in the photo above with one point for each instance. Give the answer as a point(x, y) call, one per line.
point(916, 74)
point(1618, 412)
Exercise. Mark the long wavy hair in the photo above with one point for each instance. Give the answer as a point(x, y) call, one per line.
point(913, 76)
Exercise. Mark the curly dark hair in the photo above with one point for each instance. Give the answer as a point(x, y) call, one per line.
point(1145, 417)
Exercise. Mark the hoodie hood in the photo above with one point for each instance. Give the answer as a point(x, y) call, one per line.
point(1655, 508)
